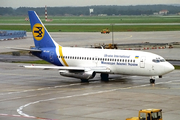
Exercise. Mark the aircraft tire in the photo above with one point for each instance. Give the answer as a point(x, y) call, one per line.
point(104, 77)
point(152, 81)
point(84, 80)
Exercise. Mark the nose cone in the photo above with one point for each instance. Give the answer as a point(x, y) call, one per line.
point(168, 68)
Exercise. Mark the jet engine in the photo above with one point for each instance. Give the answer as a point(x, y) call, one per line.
point(78, 74)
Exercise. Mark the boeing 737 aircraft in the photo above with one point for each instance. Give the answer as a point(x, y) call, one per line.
point(84, 63)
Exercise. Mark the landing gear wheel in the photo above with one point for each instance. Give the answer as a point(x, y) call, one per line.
point(104, 77)
point(84, 81)
point(152, 81)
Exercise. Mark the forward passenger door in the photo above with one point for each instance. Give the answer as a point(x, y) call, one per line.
point(142, 62)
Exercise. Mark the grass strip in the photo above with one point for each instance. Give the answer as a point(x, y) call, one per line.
point(177, 67)
point(33, 62)
point(96, 19)
point(96, 28)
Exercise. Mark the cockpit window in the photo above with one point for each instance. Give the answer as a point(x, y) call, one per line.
point(162, 60)
point(157, 60)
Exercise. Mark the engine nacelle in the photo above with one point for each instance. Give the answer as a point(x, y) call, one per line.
point(78, 74)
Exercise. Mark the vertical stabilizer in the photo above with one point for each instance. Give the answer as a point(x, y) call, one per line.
point(42, 38)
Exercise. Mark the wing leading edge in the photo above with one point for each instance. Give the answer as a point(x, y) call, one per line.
point(95, 69)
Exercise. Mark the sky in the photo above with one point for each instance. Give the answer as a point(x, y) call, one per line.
point(60, 3)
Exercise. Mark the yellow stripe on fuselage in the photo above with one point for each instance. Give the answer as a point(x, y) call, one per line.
point(61, 55)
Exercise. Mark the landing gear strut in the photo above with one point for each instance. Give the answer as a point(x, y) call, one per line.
point(104, 77)
point(152, 81)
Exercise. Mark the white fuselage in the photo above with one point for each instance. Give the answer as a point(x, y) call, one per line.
point(125, 62)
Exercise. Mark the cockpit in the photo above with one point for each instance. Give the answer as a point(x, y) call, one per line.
point(158, 60)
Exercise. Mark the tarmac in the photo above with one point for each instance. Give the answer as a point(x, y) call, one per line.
point(45, 95)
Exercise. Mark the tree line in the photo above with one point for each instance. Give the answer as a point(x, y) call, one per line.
point(109, 10)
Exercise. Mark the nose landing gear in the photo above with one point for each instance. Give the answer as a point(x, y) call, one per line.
point(152, 81)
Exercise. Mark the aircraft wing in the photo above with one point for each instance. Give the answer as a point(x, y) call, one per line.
point(25, 49)
point(101, 69)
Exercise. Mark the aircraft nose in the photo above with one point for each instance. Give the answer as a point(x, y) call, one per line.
point(168, 67)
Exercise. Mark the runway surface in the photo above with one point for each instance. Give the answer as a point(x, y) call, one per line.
point(91, 38)
point(44, 94)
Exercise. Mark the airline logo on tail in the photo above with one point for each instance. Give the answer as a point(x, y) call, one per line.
point(38, 32)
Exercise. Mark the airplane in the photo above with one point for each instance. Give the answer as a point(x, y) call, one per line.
point(84, 63)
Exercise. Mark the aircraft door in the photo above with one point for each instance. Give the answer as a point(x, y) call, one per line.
point(142, 62)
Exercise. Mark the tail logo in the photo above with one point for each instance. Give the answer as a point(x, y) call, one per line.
point(38, 31)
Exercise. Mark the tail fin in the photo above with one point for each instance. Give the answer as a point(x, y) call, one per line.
point(42, 38)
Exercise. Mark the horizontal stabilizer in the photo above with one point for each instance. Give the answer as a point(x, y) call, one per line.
point(25, 49)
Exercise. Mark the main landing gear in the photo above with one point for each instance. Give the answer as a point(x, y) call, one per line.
point(104, 77)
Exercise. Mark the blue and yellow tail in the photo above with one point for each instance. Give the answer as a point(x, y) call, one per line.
point(42, 38)
point(45, 47)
